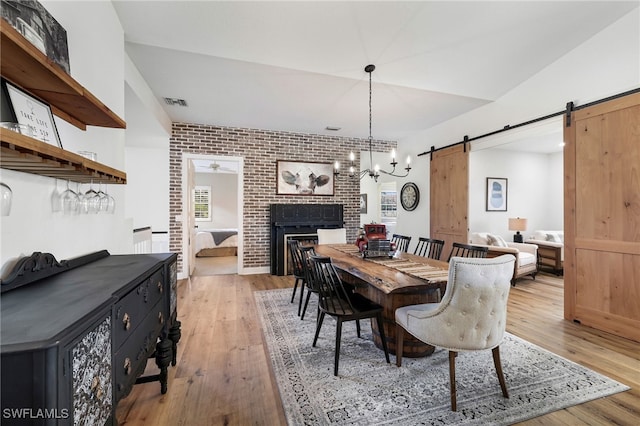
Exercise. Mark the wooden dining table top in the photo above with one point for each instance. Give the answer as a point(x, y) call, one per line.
point(403, 273)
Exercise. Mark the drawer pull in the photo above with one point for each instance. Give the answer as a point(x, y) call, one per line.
point(96, 388)
point(160, 286)
point(160, 318)
point(127, 366)
point(126, 321)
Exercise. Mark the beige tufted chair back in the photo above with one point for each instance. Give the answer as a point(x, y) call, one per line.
point(471, 315)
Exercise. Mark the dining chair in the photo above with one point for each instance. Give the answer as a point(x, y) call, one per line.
point(298, 272)
point(305, 260)
point(343, 305)
point(467, 250)
point(472, 315)
point(401, 241)
point(429, 247)
point(332, 236)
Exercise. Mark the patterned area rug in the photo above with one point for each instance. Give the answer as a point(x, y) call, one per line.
point(368, 391)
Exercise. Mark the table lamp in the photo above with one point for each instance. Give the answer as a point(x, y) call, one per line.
point(517, 224)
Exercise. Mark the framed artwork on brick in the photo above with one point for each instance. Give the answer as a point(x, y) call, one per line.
point(304, 178)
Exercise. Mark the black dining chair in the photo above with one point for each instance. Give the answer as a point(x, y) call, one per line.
point(467, 250)
point(305, 255)
point(401, 241)
point(429, 247)
point(295, 257)
point(343, 305)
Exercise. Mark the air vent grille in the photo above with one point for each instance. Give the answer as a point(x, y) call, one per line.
point(175, 101)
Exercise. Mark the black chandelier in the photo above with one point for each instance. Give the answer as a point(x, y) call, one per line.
point(374, 171)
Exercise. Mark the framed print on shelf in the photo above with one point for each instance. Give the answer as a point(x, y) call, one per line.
point(496, 194)
point(304, 178)
point(33, 113)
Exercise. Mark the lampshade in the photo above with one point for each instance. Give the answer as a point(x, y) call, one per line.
point(517, 224)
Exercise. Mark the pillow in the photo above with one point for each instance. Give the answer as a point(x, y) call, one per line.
point(553, 237)
point(496, 240)
point(479, 238)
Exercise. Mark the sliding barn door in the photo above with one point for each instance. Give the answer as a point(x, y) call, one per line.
point(602, 217)
point(449, 195)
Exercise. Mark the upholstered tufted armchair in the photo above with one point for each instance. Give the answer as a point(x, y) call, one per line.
point(471, 316)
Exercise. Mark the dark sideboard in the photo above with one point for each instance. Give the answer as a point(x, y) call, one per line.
point(77, 334)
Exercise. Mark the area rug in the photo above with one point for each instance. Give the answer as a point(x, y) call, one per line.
point(368, 391)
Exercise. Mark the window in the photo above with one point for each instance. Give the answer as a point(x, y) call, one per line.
point(202, 203)
point(388, 203)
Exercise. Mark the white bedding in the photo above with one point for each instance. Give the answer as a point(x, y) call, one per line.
point(204, 239)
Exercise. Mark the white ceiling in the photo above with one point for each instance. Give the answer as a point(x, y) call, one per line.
point(299, 65)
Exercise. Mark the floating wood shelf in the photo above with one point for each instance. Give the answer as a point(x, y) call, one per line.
point(24, 154)
point(27, 67)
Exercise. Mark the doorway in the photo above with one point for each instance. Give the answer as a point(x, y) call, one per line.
point(213, 208)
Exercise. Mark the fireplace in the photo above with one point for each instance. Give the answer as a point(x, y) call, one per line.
point(302, 220)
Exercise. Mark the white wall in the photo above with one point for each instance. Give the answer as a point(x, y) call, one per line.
point(95, 40)
point(605, 65)
point(224, 200)
point(147, 194)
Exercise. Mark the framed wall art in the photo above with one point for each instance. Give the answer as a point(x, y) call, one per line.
point(496, 194)
point(363, 203)
point(304, 178)
point(33, 113)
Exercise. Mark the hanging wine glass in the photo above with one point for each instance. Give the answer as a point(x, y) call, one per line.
point(69, 201)
point(91, 201)
point(103, 200)
point(5, 199)
point(111, 204)
point(56, 199)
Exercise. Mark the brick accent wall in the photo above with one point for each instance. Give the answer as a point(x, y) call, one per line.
point(260, 150)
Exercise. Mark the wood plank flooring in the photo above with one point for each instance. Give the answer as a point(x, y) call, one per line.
point(223, 375)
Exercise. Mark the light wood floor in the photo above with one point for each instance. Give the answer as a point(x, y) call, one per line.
point(223, 375)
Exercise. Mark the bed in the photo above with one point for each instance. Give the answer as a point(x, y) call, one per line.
point(216, 242)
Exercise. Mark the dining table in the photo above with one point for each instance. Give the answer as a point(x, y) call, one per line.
point(391, 281)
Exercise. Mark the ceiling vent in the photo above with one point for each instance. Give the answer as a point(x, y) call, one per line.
point(175, 101)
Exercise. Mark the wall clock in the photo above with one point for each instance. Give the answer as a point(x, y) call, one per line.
point(409, 196)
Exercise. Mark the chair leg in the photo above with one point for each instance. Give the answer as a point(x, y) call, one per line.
point(452, 379)
point(399, 344)
point(306, 302)
point(302, 287)
point(338, 337)
point(358, 327)
point(295, 287)
point(383, 337)
point(498, 365)
point(318, 327)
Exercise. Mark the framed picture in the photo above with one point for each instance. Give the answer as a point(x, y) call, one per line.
point(40, 28)
point(33, 113)
point(304, 178)
point(363, 203)
point(496, 194)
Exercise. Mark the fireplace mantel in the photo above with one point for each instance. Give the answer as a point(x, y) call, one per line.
point(290, 219)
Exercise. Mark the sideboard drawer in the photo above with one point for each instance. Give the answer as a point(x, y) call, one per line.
point(91, 382)
point(131, 358)
point(132, 309)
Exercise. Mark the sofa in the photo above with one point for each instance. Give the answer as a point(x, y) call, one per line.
point(526, 254)
point(550, 249)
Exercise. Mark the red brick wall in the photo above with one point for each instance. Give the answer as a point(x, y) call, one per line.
point(260, 149)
